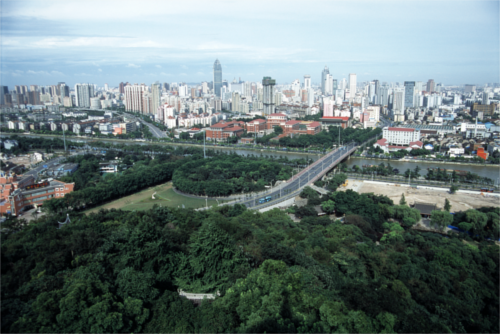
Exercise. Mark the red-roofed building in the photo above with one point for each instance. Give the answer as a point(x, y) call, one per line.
point(256, 125)
point(343, 122)
point(482, 154)
point(384, 145)
point(20, 192)
point(223, 130)
point(401, 136)
point(291, 126)
point(277, 119)
point(313, 128)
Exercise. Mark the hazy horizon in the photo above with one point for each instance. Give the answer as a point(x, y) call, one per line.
point(45, 42)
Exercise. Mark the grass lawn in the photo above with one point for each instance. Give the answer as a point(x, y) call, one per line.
point(165, 196)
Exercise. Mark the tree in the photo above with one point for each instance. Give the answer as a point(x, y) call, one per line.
point(308, 193)
point(328, 206)
point(278, 130)
point(453, 189)
point(441, 219)
point(402, 201)
point(447, 205)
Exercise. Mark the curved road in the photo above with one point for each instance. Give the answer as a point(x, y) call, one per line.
point(309, 175)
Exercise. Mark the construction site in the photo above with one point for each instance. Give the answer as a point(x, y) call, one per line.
point(460, 201)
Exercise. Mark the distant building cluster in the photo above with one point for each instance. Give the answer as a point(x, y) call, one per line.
point(427, 106)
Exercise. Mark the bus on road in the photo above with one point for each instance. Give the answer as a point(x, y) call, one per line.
point(265, 199)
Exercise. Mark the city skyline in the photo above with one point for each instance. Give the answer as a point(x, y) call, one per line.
point(105, 42)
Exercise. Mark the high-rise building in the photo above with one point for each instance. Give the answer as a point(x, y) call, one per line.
point(307, 82)
point(3, 91)
point(398, 104)
point(486, 98)
point(383, 95)
point(377, 86)
point(324, 75)
point(155, 97)
point(166, 86)
point(329, 85)
point(469, 88)
point(430, 85)
point(372, 92)
point(134, 95)
point(235, 102)
point(409, 94)
point(84, 92)
point(217, 77)
point(419, 87)
point(268, 95)
point(352, 86)
point(34, 98)
point(33, 88)
point(122, 88)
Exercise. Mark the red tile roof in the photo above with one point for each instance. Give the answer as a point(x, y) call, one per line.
point(418, 143)
point(233, 129)
point(292, 122)
point(382, 142)
point(402, 129)
point(314, 124)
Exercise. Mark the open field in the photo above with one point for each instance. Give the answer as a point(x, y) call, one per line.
point(165, 196)
point(458, 201)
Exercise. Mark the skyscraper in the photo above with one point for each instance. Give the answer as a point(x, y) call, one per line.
point(307, 81)
point(34, 98)
point(122, 88)
point(268, 98)
point(398, 105)
point(383, 95)
point(84, 92)
point(217, 77)
point(430, 85)
point(3, 90)
point(352, 85)
point(409, 94)
point(324, 75)
point(134, 96)
point(155, 97)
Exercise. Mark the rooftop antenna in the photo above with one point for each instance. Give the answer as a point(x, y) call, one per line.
point(204, 146)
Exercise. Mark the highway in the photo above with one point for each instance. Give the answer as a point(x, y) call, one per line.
point(154, 130)
point(309, 175)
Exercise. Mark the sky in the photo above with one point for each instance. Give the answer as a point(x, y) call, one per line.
point(107, 41)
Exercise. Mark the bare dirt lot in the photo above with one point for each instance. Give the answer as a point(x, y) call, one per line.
point(459, 201)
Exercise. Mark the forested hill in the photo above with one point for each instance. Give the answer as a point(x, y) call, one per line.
point(228, 174)
point(119, 271)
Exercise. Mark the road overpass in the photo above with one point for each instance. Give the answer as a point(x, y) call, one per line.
point(294, 186)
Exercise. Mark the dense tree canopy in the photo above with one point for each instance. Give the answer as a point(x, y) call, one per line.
point(117, 271)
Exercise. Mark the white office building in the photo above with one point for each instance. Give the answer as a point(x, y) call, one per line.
point(84, 92)
point(400, 136)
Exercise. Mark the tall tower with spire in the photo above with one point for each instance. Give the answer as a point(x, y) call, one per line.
point(324, 77)
point(217, 78)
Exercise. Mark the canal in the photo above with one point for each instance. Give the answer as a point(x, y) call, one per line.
point(490, 171)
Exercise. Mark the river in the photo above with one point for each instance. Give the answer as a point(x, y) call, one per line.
point(491, 171)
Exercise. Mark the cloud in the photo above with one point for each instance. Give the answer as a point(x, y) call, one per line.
point(159, 66)
point(165, 74)
point(184, 67)
point(99, 70)
point(200, 73)
point(133, 65)
point(183, 74)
